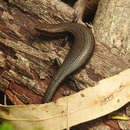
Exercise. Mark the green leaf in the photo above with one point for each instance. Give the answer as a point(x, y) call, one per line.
point(6, 126)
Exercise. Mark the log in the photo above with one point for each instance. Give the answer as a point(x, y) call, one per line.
point(26, 64)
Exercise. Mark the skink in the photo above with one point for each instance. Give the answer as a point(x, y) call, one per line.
point(79, 53)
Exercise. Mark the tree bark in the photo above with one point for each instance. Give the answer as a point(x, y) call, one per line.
point(26, 65)
point(112, 25)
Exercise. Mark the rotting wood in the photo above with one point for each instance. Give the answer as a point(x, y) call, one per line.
point(28, 63)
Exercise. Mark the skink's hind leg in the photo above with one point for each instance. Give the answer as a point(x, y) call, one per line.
point(75, 83)
point(71, 79)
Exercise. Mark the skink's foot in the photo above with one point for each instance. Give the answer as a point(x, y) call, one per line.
point(75, 83)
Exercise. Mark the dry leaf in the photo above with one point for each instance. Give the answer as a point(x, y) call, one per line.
point(107, 96)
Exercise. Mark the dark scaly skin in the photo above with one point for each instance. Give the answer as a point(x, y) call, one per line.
point(80, 52)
